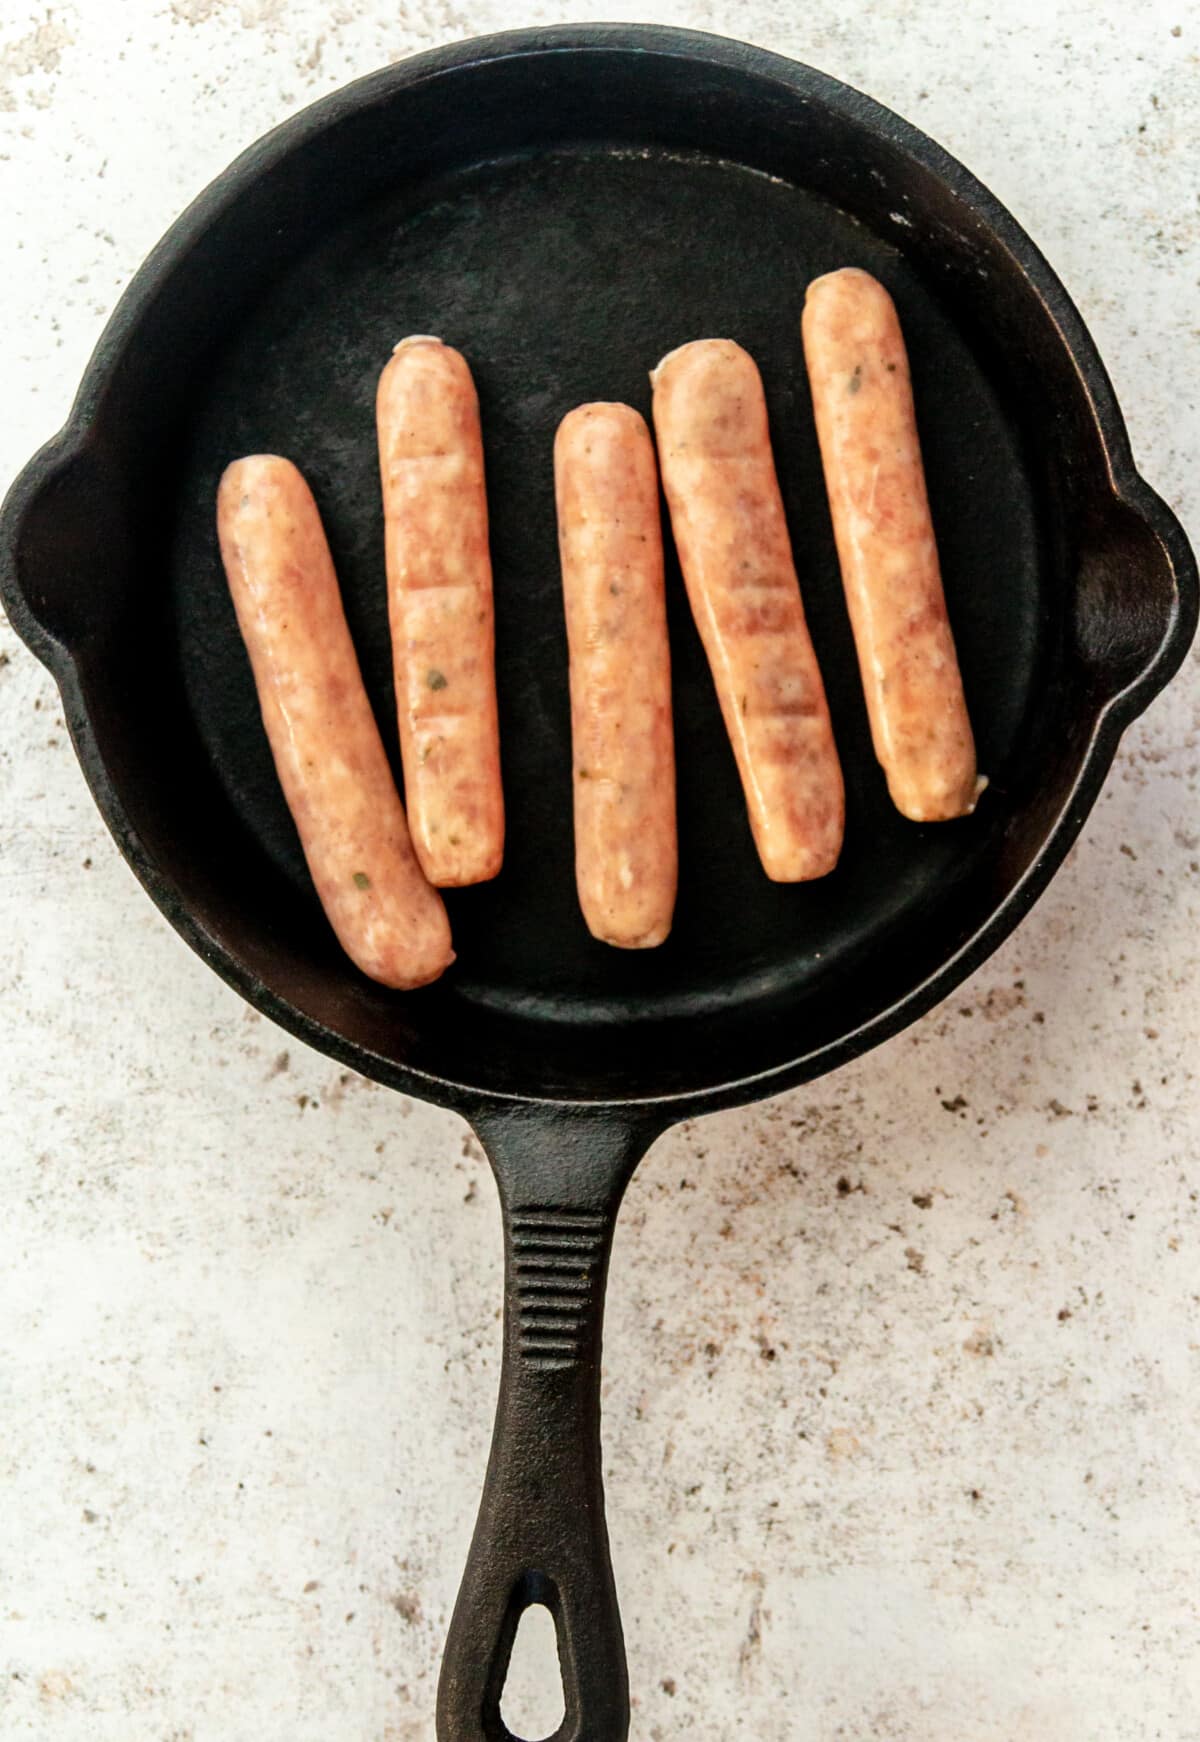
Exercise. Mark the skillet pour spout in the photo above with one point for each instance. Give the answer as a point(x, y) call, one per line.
point(566, 206)
point(1133, 637)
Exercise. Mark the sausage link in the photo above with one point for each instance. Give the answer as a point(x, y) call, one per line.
point(867, 428)
point(328, 753)
point(718, 472)
point(610, 539)
point(440, 606)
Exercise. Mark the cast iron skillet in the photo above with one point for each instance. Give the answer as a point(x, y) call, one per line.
point(567, 205)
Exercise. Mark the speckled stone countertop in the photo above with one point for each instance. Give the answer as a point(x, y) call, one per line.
point(902, 1389)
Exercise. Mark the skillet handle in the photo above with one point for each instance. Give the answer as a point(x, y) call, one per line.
point(541, 1536)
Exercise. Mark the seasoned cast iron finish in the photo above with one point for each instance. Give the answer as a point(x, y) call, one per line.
point(566, 206)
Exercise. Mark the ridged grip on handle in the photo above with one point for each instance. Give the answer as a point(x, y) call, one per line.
point(541, 1535)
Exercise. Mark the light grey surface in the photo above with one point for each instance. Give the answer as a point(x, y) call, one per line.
point(901, 1388)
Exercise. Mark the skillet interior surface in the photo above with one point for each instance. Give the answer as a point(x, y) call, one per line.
point(565, 226)
point(564, 277)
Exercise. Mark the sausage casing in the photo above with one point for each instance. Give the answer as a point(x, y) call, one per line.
point(328, 753)
point(440, 608)
point(710, 416)
point(867, 428)
point(610, 540)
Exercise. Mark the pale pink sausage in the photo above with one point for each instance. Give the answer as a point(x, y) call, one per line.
point(440, 605)
point(718, 473)
point(328, 753)
point(866, 425)
point(610, 540)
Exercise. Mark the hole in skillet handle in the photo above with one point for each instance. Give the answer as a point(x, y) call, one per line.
point(1135, 596)
point(533, 1703)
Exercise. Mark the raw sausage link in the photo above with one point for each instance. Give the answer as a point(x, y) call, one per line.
point(440, 606)
point(710, 416)
point(862, 398)
point(610, 539)
point(327, 749)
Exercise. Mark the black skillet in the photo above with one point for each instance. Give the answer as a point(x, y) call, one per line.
point(566, 205)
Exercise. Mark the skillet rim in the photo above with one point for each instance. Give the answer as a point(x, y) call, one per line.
point(1125, 483)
